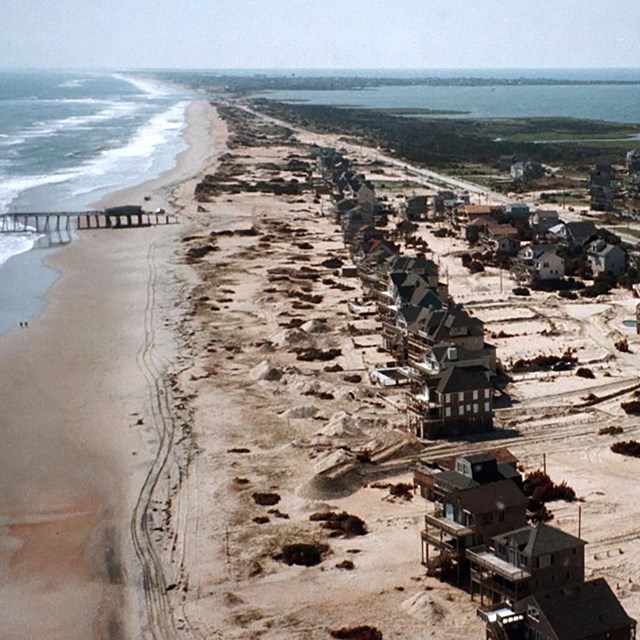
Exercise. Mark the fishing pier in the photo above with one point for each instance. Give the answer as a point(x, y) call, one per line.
point(125, 217)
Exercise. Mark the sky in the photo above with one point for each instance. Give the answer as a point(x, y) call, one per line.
point(334, 34)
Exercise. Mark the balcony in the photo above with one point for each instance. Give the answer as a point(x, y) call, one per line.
point(447, 525)
point(488, 560)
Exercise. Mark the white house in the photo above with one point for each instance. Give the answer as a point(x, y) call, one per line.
point(542, 262)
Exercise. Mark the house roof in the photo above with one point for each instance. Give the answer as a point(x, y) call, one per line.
point(441, 352)
point(501, 454)
point(602, 248)
point(540, 540)
point(546, 214)
point(455, 480)
point(502, 230)
point(539, 250)
point(586, 610)
point(494, 496)
point(458, 379)
point(425, 297)
point(481, 221)
point(411, 313)
point(580, 231)
point(475, 209)
point(440, 323)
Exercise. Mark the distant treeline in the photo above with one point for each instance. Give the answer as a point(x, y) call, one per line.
point(444, 142)
point(259, 82)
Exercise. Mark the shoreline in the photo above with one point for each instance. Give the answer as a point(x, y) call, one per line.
point(78, 430)
point(26, 304)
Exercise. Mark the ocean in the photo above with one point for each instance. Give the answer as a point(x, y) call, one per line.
point(69, 138)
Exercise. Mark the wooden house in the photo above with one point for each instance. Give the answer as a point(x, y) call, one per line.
point(501, 239)
point(604, 257)
point(537, 263)
point(465, 513)
point(518, 563)
point(455, 402)
point(587, 611)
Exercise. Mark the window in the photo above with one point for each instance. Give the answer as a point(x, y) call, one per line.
point(447, 412)
point(533, 613)
point(544, 561)
point(475, 394)
point(487, 406)
point(487, 393)
point(461, 397)
point(447, 397)
point(475, 408)
point(461, 410)
point(468, 408)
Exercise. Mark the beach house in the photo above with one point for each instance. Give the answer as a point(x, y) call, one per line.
point(475, 501)
point(604, 257)
point(587, 611)
point(538, 263)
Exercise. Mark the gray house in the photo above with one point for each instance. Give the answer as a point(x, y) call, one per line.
point(605, 257)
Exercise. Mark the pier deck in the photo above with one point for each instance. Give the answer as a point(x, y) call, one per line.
point(69, 220)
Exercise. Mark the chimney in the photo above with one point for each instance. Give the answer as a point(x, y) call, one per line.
point(452, 354)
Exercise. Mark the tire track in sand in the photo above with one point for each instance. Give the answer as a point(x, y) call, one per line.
point(160, 620)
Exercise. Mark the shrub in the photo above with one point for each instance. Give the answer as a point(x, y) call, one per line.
point(521, 291)
point(476, 267)
point(568, 295)
point(402, 490)
point(541, 489)
point(623, 345)
point(627, 448)
point(364, 632)
point(610, 431)
point(632, 407)
point(303, 554)
point(343, 523)
point(266, 499)
point(585, 372)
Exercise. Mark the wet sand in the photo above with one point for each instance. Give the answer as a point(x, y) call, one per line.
point(78, 435)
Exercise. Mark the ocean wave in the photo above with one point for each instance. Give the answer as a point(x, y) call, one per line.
point(121, 166)
point(11, 187)
point(12, 245)
point(72, 83)
point(44, 129)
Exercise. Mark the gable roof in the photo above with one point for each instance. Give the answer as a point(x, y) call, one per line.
point(458, 379)
point(495, 496)
point(540, 539)
point(581, 611)
point(602, 248)
point(441, 352)
point(580, 231)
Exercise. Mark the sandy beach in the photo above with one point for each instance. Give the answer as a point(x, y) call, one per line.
point(167, 432)
point(79, 433)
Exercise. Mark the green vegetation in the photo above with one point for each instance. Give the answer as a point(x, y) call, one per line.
point(444, 142)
